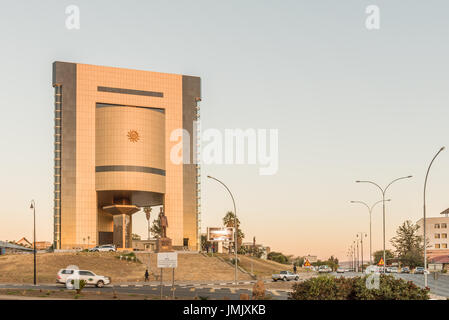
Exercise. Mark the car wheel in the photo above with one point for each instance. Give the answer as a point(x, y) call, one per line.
point(111, 250)
point(284, 279)
point(100, 284)
point(297, 278)
point(275, 280)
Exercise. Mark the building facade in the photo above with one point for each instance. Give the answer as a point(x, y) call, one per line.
point(114, 145)
point(437, 231)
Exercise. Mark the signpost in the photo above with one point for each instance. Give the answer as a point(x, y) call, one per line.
point(168, 260)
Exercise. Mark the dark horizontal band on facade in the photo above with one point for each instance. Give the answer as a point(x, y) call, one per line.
point(130, 169)
point(108, 105)
point(131, 91)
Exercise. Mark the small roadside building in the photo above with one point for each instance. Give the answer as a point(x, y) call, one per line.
point(439, 263)
point(6, 247)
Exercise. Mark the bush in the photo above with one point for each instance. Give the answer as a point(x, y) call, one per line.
point(330, 288)
point(82, 284)
point(277, 257)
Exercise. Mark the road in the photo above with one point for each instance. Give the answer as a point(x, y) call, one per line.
point(185, 291)
point(439, 287)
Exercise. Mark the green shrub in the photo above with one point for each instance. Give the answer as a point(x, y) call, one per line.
point(82, 284)
point(330, 288)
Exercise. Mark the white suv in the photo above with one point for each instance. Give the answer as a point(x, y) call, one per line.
point(103, 248)
point(66, 276)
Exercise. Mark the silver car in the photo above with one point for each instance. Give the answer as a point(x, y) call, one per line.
point(285, 276)
point(104, 248)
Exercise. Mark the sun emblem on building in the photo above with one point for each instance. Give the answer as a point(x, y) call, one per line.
point(133, 136)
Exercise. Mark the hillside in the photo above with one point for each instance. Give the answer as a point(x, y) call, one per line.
point(18, 268)
point(265, 268)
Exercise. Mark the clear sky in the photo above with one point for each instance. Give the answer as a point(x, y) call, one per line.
point(349, 103)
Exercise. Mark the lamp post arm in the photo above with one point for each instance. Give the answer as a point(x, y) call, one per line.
point(395, 181)
point(380, 188)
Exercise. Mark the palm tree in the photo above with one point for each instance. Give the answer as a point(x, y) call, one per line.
point(147, 211)
point(228, 222)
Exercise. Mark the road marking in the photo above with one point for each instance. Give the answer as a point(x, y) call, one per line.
point(123, 285)
point(223, 284)
point(139, 285)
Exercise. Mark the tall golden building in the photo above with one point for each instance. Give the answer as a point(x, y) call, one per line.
point(112, 154)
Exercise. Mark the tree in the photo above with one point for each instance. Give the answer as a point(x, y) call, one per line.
point(135, 236)
point(156, 228)
point(278, 257)
point(380, 255)
point(147, 211)
point(409, 245)
point(228, 221)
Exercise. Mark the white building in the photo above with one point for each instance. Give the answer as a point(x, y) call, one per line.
point(437, 230)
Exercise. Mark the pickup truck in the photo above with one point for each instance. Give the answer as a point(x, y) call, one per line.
point(285, 276)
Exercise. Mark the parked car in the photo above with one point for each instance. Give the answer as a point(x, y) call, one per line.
point(420, 270)
point(104, 248)
point(324, 269)
point(391, 270)
point(341, 270)
point(405, 270)
point(66, 276)
point(285, 276)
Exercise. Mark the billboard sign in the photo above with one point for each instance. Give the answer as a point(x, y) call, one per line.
point(220, 234)
point(167, 260)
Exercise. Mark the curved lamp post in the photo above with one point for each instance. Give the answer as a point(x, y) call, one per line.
point(33, 207)
point(424, 213)
point(383, 191)
point(235, 226)
point(370, 210)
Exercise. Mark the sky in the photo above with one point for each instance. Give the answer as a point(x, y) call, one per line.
point(349, 103)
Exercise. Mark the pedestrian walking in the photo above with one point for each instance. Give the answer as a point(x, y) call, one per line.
point(294, 268)
point(147, 275)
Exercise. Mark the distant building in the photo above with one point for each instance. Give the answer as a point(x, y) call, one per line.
point(443, 260)
point(6, 247)
point(310, 258)
point(437, 230)
point(24, 243)
point(43, 245)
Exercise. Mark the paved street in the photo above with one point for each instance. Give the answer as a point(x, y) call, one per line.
point(213, 291)
point(439, 287)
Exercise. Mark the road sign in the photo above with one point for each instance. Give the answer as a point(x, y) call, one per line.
point(167, 260)
point(307, 263)
point(381, 262)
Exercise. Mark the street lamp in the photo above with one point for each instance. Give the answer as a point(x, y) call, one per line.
point(424, 213)
point(235, 226)
point(383, 203)
point(33, 206)
point(361, 244)
point(370, 210)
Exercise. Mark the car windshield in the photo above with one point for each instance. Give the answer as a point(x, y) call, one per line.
point(283, 272)
point(67, 271)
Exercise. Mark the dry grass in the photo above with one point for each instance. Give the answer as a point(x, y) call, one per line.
point(19, 268)
point(191, 267)
point(265, 268)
